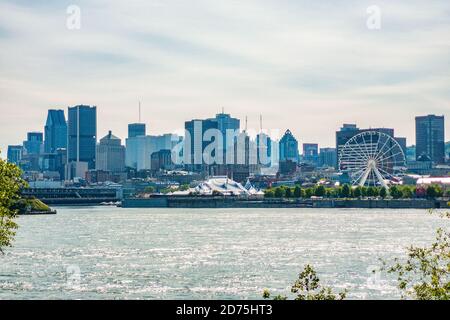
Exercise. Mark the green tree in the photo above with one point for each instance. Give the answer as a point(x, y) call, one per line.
point(279, 192)
point(346, 191)
point(269, 193)
point(425, 273)
point(309, 192)
point(407, 192)
point(184, 187)
point(372, 192)
point(395, 192)
point(10, 185)
point(434, 191)
point(357, 192)
point(288, 192)
point(297, 192)
point(149, 189)
point(383, 192)
point(308, 287)
point(364, 191)
point(319, 191)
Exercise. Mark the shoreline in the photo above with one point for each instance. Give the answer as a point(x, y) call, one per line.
point(221, 202)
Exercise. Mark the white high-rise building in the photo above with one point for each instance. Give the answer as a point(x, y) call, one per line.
point(139, 149)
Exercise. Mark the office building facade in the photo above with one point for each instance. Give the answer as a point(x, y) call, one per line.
point(110, 154)
point(82, 135)
point(136, 130)
point(288, 147)
point(430, 135)
point(55, 131)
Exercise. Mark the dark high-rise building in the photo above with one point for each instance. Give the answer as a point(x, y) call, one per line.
point(82, 135)
point(225, 123)
point(311, 153)
point(430, 135)
point(33, 144)
point(136, 130)
point(342, 136)
point(194, 144)
point(402, 142)
point(288, 147)
point(55, 131)
point(15, 154)
point(327, 157)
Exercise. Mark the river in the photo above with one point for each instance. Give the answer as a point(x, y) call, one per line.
point(117, 253)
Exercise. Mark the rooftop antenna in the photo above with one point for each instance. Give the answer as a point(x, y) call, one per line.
point(139, 111)
point(223, 110)
point(260, 123)
point(245, 124)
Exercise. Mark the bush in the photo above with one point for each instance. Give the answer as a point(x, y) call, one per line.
point(288, 193)
point(346, 191)
point(298, 192)
point(279, 192)
point(308, 287)
point(319, 191)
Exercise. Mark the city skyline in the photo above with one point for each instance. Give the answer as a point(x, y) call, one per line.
point(298, 65)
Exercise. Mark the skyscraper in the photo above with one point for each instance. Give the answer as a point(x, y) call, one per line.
point(136, 130)
point(226, 124)
point(342, 136)
point(140, 148)
point(55, 131)
point(15, 154)
point(430, 135)
point(288, 147)
point(110, 154)
point(327, 157)
point(33, 144)
point(82, 135)
point(311, 153)
point(194, 144)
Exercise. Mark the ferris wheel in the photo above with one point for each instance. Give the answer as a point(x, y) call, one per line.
point(372, 158)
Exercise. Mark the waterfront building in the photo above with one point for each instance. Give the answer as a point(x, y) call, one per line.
point(430, 135)
point(288, 147)
point(311, 153)
point(136, 130)
point(327, 157)
point(15, 154)
point(82, 135)
point(55, 131)
point(110, 154)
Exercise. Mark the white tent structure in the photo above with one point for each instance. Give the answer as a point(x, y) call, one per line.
point(221, 185)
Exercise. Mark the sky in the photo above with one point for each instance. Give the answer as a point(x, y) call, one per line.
point(309, 66)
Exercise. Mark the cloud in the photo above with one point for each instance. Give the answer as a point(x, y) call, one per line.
point(307, 66)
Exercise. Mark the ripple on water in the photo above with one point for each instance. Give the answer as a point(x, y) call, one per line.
point(113, 253)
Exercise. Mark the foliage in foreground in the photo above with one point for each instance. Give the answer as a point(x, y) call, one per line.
point(308, 287)
point(346, 191)
point(10, 185)
point(425, 273)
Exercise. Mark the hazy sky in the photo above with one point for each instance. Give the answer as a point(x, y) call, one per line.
point(304, 65)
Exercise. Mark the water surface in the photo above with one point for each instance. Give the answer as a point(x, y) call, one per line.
point(117, 253)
